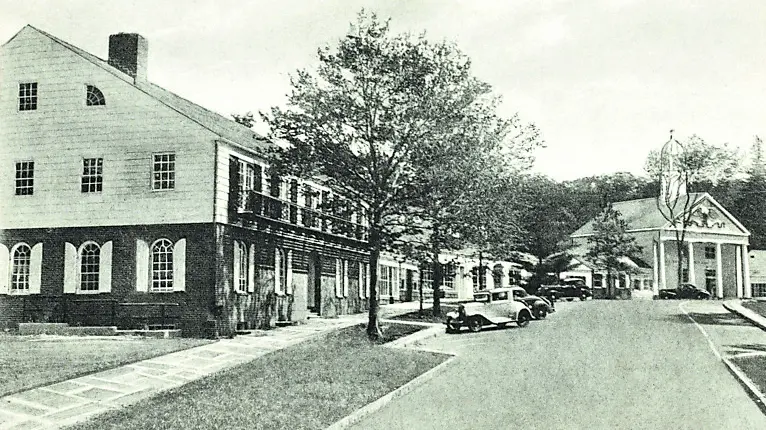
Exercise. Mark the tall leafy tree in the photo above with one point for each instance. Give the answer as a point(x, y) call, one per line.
point(610, 245)
point(749, 201)
point(364, 119)
point(679, 169)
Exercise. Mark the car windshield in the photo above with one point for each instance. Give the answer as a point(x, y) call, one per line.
point(519, 293)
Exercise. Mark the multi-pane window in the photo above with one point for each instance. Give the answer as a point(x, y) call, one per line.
point(246, 173)
point(92, 175)
point(20, 262)
point(25, 178)
point(94, 97)
point(759, 290)
point(710, 279)
point(710, 252)
point(428, 277)
point(385, 280)
point(162, 266)
point(90, 262)
point(598, 281)
point(164, 171)
point(28, 96)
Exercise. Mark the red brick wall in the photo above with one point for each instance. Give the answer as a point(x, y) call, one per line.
point(194, 305)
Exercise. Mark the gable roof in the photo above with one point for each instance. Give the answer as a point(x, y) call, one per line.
point(641, 214)
point(216, 123)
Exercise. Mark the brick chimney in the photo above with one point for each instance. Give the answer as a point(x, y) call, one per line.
point(128, 52)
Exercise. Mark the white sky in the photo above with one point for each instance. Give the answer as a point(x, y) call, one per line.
point(604, 80)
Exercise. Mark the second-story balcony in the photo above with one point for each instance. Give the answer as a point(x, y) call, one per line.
point(255, 204)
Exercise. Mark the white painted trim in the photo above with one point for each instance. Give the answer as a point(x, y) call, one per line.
point(711, 241)
point(718, 271)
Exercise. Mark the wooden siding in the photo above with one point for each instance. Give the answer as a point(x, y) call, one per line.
point(63, 131)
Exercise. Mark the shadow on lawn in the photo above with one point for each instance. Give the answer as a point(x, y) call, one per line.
point(709, 319)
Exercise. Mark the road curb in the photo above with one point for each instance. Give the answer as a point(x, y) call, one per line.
point(376, 405)
point(745, 313)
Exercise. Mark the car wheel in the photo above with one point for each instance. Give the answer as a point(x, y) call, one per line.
point(453, 326)
point(569, 299)
point(523, 319)
point(475, 324)
point(541, 313)
point(583, 298)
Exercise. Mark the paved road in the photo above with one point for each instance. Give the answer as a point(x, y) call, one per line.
point(592, 365)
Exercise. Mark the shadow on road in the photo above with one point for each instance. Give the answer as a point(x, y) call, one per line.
point(709, 319)
point(749, 347)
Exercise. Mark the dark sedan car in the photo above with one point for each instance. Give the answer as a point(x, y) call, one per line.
point(685, 291)
point(540, 306)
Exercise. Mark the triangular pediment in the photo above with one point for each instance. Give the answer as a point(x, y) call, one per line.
point(709, 216)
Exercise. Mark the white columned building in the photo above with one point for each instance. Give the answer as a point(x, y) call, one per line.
point(714, 242)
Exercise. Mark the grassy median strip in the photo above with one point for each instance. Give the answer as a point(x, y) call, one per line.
point(755, 368)
point(426, 315)
point(758, 307)
point(307, 386)
point(31, 361)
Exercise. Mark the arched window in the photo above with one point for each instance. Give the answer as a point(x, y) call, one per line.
point(90, 262)
point(162, 266)
point(21, 258)
point(94, 97)
point(242, 269)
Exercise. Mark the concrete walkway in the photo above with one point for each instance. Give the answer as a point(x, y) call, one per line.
point(79, 399)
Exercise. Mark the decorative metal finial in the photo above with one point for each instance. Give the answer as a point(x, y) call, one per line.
point(671, 133)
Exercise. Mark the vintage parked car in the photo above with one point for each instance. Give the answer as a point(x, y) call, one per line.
point(569, 289)
point(540, 306)
point(492, 307)
point(685, 291)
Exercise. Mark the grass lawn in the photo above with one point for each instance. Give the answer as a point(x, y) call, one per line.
point(758, 307)
point(30, 361)
point(427, 315)
point(755, 369)
point(307, 386)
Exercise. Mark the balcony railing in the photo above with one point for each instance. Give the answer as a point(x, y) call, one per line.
point(261, 205)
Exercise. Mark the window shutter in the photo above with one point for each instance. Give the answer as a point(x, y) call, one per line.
point(251, 270)
point(233, 184)
point(289, 272)
point(237, 269)
point(338, 278)
point(70, 268)
point(5, 261)
point(360, 284)
point(345, 278)
point(277, 272)
point(179, 265)
point(35, 269)
point(105, 268)
point(142, 266)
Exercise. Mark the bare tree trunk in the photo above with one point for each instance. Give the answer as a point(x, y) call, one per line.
point(373, 328)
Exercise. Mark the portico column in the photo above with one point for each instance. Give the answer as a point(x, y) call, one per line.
point(738, 270)
point(655, 270)
point(692, 277)
point(718, 271)
point(746, 270)
point(662, 265)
